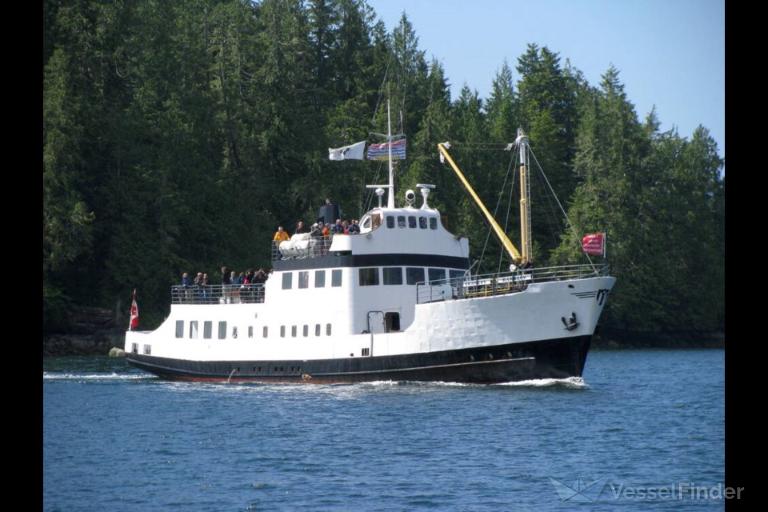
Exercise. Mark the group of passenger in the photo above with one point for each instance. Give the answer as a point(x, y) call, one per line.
point(319, 229)
point(243, 287)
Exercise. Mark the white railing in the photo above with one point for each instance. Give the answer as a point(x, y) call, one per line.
point(218, 294)
point(486, 285)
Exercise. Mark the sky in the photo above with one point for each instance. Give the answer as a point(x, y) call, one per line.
point(669, 53)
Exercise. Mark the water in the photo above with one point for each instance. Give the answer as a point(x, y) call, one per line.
point(641, 422)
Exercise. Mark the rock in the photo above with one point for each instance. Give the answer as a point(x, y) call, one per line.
point(116, 352)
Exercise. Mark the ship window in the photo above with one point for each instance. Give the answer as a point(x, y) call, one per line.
point(193, 329)
point(414, 275)
point(305, 330)
point(327, 329)
point(179, 328)
point(319, 278)
point(369, 276)
point(390, 221)
point(432, 223)
point(250, 331)
point(287, 280)
point(222, 330)
point(412, 221)
point(401, 221)
point(317, 329)
point(303, 279)
point(365, 352)
point(336, 278)
point(393, 275)
point(456, 274)
point(282, 331)
point(436, 274)
point(264, 332)
point(293, 331)
point(423, 222)
point(376, 218)
point(135, 348)
point(148, 350)
point(392, 321)
point(367, 222)
point(234, 332)
point(207, 330)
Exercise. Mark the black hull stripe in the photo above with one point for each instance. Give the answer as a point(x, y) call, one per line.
point(557, 358)
point(422, 368)
point(372, 260)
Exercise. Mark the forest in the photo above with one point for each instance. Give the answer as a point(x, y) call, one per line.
point(178, 135)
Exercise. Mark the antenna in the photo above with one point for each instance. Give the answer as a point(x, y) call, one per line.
point(425, 188)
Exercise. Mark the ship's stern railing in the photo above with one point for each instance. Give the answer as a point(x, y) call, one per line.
point(502, 283)
point(218, 294)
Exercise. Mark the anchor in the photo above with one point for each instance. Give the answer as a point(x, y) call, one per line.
point(571, 323)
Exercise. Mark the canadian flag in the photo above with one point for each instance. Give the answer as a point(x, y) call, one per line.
point(134, 313)
point(594, 244)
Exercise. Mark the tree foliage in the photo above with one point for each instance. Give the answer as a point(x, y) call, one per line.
point(178, 135)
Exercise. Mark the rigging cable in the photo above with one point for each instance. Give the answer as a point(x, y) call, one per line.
point(568, 221)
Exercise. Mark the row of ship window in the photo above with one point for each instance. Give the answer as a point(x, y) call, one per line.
point(222, 332)
point(373, 276)
point(422, 222)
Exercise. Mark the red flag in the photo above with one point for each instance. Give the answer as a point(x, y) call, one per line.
point(594, 244)
point(134, 313)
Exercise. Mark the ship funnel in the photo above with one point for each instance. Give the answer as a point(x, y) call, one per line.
point(425, 188)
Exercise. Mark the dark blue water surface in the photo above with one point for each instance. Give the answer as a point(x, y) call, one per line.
point(641, 430)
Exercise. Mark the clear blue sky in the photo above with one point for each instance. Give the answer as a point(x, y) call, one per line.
point(669, 53)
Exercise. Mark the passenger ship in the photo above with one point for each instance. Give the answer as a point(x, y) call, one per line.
point(395, 302)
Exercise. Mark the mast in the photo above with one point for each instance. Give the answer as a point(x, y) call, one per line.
point(391, 195)
point(525, 194)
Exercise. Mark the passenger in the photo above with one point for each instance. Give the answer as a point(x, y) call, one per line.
point(345, 226)
point(354, 228)
point(300, 227)
point(317, 230)
point(186, 283)
point(281, 235)
point(337, 228)
point(204, 287)
point(226, 283)
point(196, 285)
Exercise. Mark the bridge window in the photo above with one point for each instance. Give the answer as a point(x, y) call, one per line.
point(432, 223)
point(305, 330)
point(327, 329)
point(207, 329)
point(293, 331)
point(436, 274)
point(179, 328)
point(414, 275)
point(393, 275)
point(287, 280)
point(390, 222)
point(423, 222)
point(401, 221)
point(336, 278)
point(369, 276)
point(250, 331)
point(193, 329)
point(222, 330)
point(303, 279)
point(319, 278)
point(317, 329)
point(282, 331)
point(456, 274)
point(412, 221)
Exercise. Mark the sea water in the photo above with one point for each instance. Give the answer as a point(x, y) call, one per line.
point(643, 429)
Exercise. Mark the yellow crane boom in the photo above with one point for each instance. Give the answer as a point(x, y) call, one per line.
point(505, 241)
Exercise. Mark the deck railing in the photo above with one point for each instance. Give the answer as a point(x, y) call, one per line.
point(486, 285)
point(218, 294)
